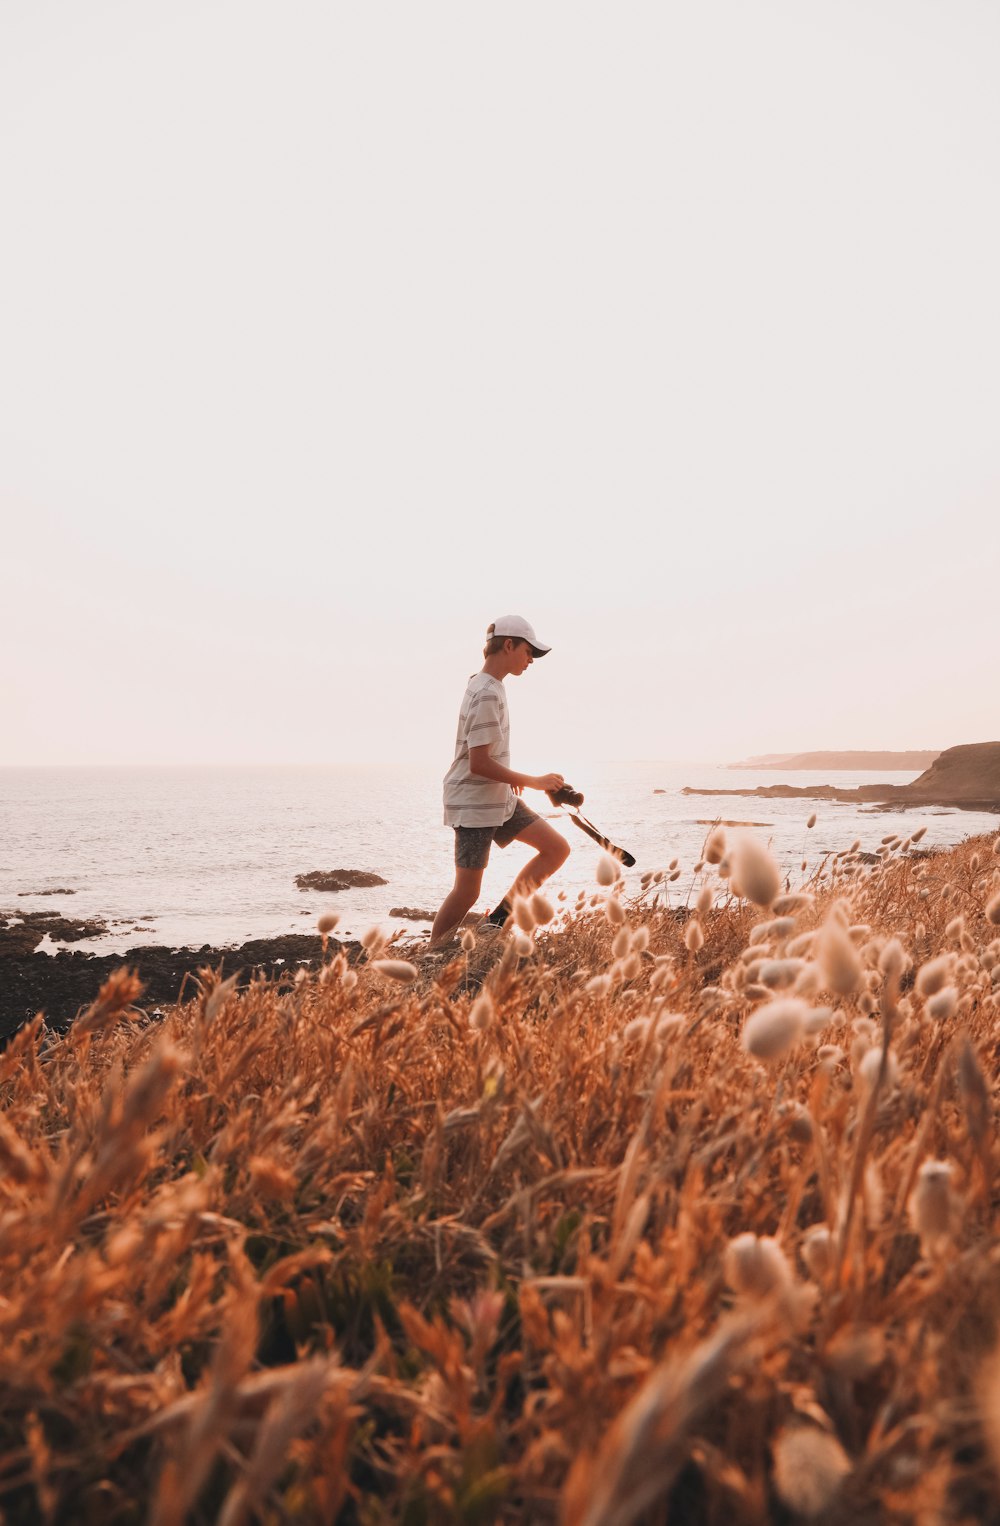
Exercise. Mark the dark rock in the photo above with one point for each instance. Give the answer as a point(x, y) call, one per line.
point(338, 879)
point(411, 914)
point(61, 984)
point(18, 939)
point(60, 890)
point(72, 930)
point(24, 936)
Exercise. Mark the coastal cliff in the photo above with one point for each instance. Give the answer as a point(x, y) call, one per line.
point(804, 762)
point(965, 777)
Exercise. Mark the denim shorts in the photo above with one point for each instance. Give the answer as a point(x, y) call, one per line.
point(472, 844)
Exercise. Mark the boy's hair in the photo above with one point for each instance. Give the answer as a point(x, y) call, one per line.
point(494, 644)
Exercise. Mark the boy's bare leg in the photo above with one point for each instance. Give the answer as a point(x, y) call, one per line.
point(552, 853)
point(460, 900)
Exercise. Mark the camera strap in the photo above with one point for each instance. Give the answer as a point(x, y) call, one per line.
point(581, 821)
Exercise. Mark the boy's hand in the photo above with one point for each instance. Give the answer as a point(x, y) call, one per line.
point(548, 781)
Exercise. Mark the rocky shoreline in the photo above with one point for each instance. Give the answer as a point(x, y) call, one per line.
point(963, 778)
point(60, 984)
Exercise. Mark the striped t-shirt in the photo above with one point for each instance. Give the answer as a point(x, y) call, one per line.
point(470, 801)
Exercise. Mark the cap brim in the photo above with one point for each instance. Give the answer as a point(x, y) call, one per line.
point(539, 651)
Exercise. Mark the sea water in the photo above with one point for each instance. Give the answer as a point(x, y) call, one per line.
point(194, 856)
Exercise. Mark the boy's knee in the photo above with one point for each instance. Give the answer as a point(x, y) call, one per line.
point(560, 851)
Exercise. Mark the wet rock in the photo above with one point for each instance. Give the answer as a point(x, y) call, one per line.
point(338, 879)
point(18, 939)
point(59, 890)
point(411, 914)
point(25, 934)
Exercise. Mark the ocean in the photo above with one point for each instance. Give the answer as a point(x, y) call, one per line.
point(194, 856)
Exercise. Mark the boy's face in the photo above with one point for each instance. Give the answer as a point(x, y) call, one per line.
point(521, 657)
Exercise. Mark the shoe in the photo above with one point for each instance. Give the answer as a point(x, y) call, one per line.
point(500, 915)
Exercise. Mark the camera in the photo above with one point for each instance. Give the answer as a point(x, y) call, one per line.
point(566, 795)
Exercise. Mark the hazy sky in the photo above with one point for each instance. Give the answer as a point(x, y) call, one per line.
point(329, 332)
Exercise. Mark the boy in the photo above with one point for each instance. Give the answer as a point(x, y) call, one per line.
point(481, 790)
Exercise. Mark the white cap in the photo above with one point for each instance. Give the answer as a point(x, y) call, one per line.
point(517, 627)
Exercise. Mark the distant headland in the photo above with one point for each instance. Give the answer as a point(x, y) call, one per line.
point(802, 762)
point(966, 777)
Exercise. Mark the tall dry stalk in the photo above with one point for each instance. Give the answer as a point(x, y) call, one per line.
point(606, 1218)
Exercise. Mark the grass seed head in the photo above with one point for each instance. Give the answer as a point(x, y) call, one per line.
point(715, 847)
point(373, 941)
point(892, 961)
point(607, 870)
point(663, 975)
point(800, 945)
point(942, 1004)
point(817, 1018)
point(810, 1467)
point(694, 938)
point(614, 911)
point(755, 1266)
point(400, 970)
point(482, 1012)
point(542, 909)
point(993, 911)
point(838, 958)
point(871, 1063)
point(755, 870)
point(932, 1206)
point(817, 1251)
point(328, 922)
point(934, 974)
point(773, 1030)
point(524, 917)
point(777, 974)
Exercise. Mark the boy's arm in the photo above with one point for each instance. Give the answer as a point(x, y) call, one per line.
point(485, 767)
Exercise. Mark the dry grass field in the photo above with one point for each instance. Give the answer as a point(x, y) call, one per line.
point(641, 1213)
